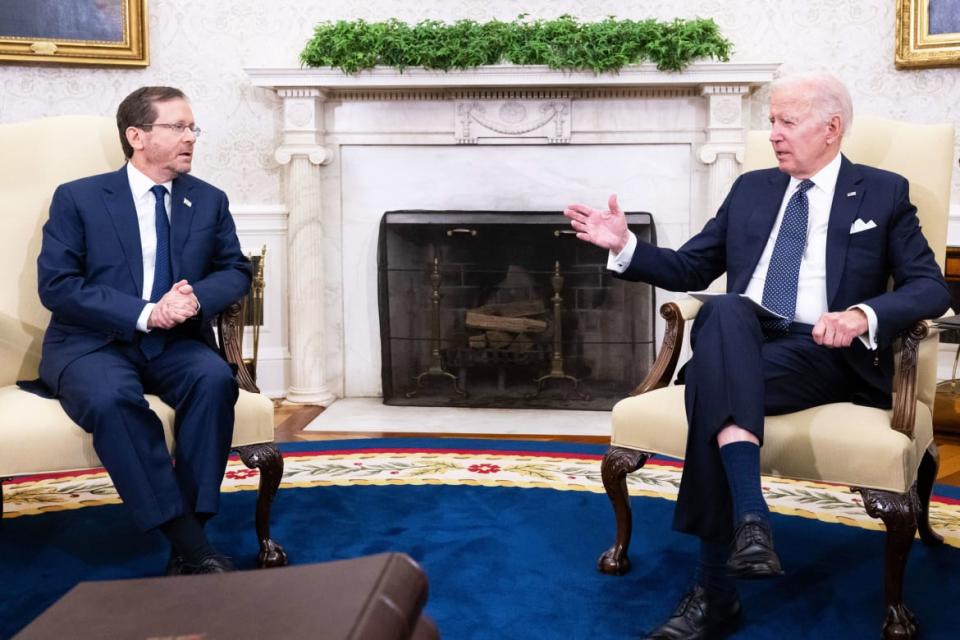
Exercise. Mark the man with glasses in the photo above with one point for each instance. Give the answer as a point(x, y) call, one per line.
point(815, 240)
point(134, 265)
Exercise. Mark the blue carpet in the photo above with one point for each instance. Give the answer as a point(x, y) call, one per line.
point(503, 563)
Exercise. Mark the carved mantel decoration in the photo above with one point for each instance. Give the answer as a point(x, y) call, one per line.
point(330, 118)
point(513, 118)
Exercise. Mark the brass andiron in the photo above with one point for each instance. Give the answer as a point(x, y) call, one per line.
point(436, 367)
point(253, 308)
point(556, 362)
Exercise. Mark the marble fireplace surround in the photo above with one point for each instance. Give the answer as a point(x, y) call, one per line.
point(495, 138)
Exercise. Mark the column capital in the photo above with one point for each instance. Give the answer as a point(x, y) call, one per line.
point(727, 114)
point(316, 153)
point(302, 123)
point(709, 152)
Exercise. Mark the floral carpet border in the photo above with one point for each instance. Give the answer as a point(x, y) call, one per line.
point(557, 471)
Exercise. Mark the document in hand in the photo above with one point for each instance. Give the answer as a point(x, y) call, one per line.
point(761, 311)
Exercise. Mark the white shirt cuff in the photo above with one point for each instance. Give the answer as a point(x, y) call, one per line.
point(144, 316)
point(621, 261)
point(868, 339)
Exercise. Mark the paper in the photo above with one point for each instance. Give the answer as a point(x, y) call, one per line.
point(759, 309)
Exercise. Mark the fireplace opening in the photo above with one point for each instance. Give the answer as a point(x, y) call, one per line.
point(508, 310)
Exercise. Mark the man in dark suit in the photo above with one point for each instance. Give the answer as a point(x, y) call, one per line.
point(134, 265)
point(816, 241)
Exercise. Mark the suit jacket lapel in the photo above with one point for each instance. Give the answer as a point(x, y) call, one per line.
point(843, 212)
point(119, 204)
point(181, 216)
point(760, 225)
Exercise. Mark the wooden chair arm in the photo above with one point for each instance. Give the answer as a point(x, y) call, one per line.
point(905, 380)
point(676, 314)
point(230, 338)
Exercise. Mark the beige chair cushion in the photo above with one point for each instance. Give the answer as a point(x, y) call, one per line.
point(36, 436)
point(840, 443)
point(37, 156)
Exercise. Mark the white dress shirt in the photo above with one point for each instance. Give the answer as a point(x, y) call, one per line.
point(812, 283)
point(145, 204)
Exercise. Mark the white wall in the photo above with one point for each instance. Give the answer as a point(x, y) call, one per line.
point(202, 47)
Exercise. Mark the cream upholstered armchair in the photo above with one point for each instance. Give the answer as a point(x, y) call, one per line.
point(888, 456)
point(36, 436)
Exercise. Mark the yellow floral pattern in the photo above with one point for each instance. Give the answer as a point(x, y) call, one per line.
point(561, 472)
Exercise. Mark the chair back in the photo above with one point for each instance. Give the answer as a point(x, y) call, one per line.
point(38, 155)
point(923, 154)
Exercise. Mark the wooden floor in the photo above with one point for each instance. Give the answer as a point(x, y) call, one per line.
point(290, 419)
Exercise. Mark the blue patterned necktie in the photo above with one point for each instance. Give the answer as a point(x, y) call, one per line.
point(152, 344)
point(780, 288)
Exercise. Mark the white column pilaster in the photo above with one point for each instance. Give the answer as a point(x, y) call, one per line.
point(303, 153)
point(723, 150)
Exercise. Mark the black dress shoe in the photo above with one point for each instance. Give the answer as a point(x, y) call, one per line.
point(211, 564)
point(700, 616)
point(752, 556)
point(174, 564)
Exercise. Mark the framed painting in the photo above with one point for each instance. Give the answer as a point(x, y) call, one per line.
point(928, 33)
point(88, 32)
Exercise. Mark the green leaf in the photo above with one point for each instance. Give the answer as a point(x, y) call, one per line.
point(562, 43)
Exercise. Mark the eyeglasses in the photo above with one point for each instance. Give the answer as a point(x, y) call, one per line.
point(177, 128)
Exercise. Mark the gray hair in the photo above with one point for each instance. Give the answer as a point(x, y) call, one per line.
point(828, 96)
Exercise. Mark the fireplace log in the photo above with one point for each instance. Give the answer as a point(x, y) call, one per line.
point(488, 322)
point(500, 339)
point(478, 341)
point(521, 344)
point(519, 309)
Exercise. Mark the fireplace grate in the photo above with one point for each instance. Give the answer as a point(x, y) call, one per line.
point(507, 309)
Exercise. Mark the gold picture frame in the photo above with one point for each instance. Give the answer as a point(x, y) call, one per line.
point(924, 40)
point(82, 32)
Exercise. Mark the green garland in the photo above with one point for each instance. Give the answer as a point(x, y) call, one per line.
point(563, 43)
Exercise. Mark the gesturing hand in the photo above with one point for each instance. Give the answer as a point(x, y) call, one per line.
point(606, 229)
point(839, 329)
point(175, 307)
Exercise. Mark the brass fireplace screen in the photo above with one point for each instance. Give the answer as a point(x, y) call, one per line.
point(507, 309)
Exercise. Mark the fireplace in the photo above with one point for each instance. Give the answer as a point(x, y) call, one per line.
point(509, 310)
point(356, 145)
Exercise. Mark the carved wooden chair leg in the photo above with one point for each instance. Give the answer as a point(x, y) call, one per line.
point(265, 457)
point(926, 476)
point(899, 514)
point(617, 463)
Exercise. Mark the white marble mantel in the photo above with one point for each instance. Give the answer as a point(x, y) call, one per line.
point(501, 137)
point(527, 76)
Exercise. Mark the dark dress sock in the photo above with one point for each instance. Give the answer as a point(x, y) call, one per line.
point(741, 462)
point(186, 536)
point(712, 573)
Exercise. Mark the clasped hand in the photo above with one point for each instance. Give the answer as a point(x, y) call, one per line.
point(175, 307)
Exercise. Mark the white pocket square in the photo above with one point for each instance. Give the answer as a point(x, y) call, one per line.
point(859, 225)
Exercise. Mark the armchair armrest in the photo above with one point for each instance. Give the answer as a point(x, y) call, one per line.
point(230, 338)
point(904, 385)
point(676, 314)
point(905, 380)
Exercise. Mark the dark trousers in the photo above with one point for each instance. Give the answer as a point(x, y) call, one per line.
point(103, 392)
point(738, 374)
